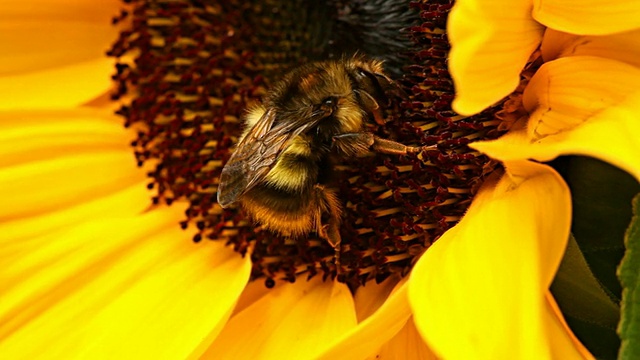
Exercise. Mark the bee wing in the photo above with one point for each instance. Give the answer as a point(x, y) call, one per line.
point(257, 153)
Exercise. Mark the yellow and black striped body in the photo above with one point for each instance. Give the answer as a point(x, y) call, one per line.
point(296, 193)
point(283, 167)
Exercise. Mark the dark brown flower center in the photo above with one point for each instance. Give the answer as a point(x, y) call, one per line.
point(199, 63)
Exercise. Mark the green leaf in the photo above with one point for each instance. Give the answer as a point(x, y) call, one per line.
point(579, 294)
point(601, 196)
point(603, 343)
point(629, 274)
point(589, 310)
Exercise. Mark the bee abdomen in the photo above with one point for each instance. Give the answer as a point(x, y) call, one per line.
point(284, 202)
point(293, 173)
point(283, 210)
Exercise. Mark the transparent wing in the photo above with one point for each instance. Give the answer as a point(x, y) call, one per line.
point(258, 152)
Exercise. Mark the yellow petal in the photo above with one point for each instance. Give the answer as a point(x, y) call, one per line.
point(371, 296)
point(366, 339)
point(60, 87)
point(30, 136)
point(479, 291)
point(253, 292)
point(125, 202)
point(610, 132)
point(106, 183)
point(623, 47)
point(54, 52)
point(406, 345)
point(588, 17)
point(61, 160)
point(560, 332)
point(294, 321)
point(116, 288)
point(610, 136)
point(566, 92)
point(39, 35)
point(490, 43)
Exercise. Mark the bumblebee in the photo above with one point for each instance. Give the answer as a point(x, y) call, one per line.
point(282, 169)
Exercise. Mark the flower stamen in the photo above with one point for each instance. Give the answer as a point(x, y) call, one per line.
point(199, 64)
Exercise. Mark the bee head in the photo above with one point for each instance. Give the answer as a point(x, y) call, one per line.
point(371, 86)
point(343, 94)
point(352, 90)
point(321, 90)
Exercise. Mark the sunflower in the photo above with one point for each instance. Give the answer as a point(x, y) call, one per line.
point(92, 269)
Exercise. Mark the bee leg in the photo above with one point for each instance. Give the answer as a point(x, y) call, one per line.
point(353, 144)
point(331, 233)
point(328, 220)
point(361, 143)
point(395, 148)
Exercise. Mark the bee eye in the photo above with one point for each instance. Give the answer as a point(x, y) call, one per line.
point(330, 101)
point(329, 105)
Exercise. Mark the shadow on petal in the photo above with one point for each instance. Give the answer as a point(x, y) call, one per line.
point(365, 339)
point(292, 321)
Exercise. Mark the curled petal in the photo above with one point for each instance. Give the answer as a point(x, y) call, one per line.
point(610, 136)
point(624, 47)
point(479, 291)
point(566, 92)
point(586, 120)
point(588, 17)
point(116, 288)
point(491, 42)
